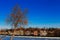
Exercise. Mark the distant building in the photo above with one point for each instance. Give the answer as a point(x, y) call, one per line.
point(36, 32)
point(31, 32)
point(27, 32)
point(43, 32)
point(22, 30)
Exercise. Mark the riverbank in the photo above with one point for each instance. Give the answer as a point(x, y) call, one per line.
point(37, 37)
point(33, 37)
point(30, 38)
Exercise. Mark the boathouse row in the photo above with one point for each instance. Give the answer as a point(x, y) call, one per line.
point(31, 32)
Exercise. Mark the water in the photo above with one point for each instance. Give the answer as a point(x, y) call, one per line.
point(23, 38)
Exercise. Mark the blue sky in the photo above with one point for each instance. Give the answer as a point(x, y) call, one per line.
point(40, 12)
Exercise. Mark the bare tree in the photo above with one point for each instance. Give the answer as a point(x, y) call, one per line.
point(17, 18)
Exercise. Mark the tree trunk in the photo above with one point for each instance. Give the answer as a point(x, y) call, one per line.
point(0, 38)
point(12, 37)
